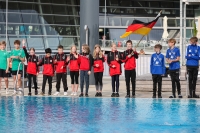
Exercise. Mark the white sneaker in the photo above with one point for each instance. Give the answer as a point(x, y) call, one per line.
point(72, 93)
point(57, 93)
point(75, 93)
point(15, 92)
point(7, 91)
point(65, 93)
point(20, 91)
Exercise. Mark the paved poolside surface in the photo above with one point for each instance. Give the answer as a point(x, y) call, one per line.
point(107, 90)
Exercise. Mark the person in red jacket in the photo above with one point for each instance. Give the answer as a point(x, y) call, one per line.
point(74, 70)
point(97, 62)
point(48, 70)
point(85, 61)
point(60, 62)
point(114, 63)
point(129, 59)
point(32, 68)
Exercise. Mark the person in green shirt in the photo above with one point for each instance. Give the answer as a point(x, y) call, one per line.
point(4, 65)
point(17, 56)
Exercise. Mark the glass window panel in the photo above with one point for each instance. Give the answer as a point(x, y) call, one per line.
point(126, 3)
point(53, 42)
point(155, 34)
point(171, 22)
point(114, 21)
point(35, 30)
point(3, 28)
point(67, 30)
point(126, 21)
point(2, 5)
point(50, 30)
point(59, 9)
point(13, 7)
point(46, 9)
point(14, 18)
point(24, 30)
point(45, 1)
point(101, 21)
point(114, 10)
point(73, 20)
point(153, 4)
point(48, 19)
point(190, 22)
point(61, 20)
point(101, 2)
point(113, 3)
point(61, 1)
point(2, 16)
point(30, 18)
point(139, 4)
point(36, 42)
point(67, 42)
point(167, 4)
point(29, 8)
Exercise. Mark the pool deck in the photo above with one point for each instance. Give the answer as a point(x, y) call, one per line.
point(107, 90)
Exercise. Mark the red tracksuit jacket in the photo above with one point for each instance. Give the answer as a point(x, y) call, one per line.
point(85, 61)
point(48, 66)
point(61, 63)
point(32, 67)
point(111, 60)
point(74, 64)
point(100, 62)
point(129, 63)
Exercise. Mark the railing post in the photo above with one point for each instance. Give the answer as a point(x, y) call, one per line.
point(23, 79)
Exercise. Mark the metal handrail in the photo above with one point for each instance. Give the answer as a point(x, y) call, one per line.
point(16, 80)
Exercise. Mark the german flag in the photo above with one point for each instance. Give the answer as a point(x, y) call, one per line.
point(139, 27)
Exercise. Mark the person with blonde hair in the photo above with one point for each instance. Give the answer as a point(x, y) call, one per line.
point(97, 63)
point(85, 61)
point(74, 69)
point(114, 60)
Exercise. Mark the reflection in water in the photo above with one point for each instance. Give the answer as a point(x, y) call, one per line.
point(60, 114)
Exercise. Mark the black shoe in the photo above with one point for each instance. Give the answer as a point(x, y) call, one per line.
point(113, 95)
point(97, 94)
point(180, 96)
point(49, 93)
point(153, 96)
point(100, 94)
point(159, 96)
point(36, 92)
point(117, 95)
point(86, 95)
point(29, 93)
point(81, 95)
point(195, 96)
point(189, 96)
point(172, 96)
point(133, 96)
point(127, 96)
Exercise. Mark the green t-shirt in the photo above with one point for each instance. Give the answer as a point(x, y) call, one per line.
point(15, 62)
point(3, 59)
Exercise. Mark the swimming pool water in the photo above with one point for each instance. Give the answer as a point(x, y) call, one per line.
point(98, 115)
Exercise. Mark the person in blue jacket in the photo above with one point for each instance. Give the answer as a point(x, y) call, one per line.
point(193, 57)
point(173, 58)
point(157, 67)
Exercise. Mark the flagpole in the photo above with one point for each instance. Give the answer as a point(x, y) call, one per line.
point(139, 41)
